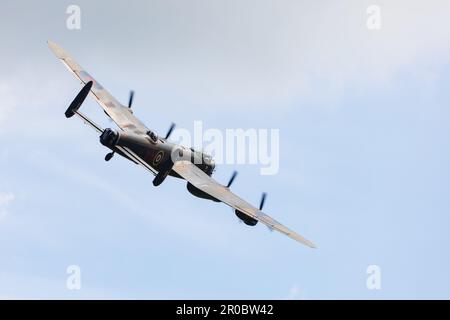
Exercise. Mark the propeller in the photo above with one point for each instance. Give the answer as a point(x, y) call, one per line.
point(130, 103)
point(230, 182)
point(130, 99)
point(263, 199)
point(109, 156)
point(169, 132)
point(79, 99)
point(261, 205)
point(233, 176)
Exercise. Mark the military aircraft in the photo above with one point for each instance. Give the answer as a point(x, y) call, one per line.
point(158, 155)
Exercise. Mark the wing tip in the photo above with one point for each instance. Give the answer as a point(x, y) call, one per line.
point(57, 50)
point(51, 44)
point(308, 243)
point(304, 241)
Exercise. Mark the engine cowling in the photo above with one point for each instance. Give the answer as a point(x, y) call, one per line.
point(199, 193)
point(109, 138)
point(245, 218)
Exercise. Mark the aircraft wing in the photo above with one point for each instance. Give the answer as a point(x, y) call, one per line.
point(120, 114)
point(202, 181)
point(126, 152)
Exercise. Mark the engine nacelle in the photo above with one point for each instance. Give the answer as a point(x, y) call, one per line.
point(199, 193)
point(245, 218)
point(109, 138)
point(163, 172)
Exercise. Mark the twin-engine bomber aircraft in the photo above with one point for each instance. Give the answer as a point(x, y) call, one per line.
point(144, 147)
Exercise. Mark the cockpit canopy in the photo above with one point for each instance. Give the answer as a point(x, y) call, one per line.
point(152, 135)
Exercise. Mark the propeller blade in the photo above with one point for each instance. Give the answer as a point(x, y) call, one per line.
point(172, 126)
point(130, 99)
point(263, 199)
point(233, 176)
point(79, 99)
point(109, 156)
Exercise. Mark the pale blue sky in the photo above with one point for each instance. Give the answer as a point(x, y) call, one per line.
point(364, 165)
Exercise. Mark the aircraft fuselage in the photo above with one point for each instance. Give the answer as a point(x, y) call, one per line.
point(156, 152)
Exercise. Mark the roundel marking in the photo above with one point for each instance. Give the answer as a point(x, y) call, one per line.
point(157, 159)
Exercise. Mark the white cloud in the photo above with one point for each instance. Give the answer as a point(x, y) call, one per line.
point(31, 103)
point(295, 293)
point(8, 102)
point(239, 54)
point(5, 199)
point(27, 284)
point(262, 52)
